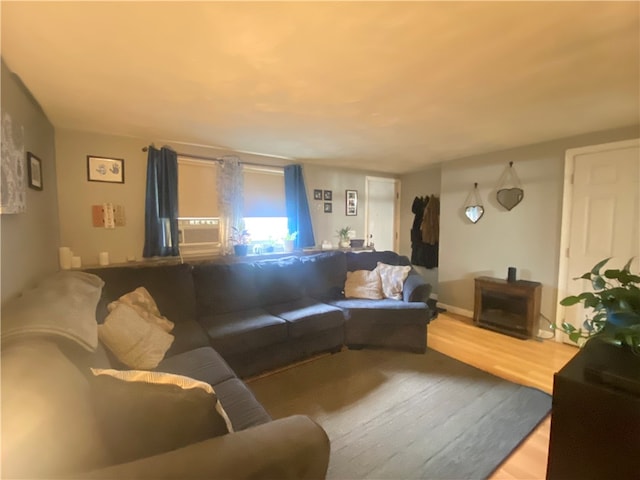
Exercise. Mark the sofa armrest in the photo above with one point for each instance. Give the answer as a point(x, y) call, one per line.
point(292, 447)
point(415, 288)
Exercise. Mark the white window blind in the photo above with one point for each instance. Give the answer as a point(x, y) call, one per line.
point(197, 193)
point(264, 192)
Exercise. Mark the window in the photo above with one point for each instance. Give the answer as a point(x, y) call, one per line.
point(198, 223)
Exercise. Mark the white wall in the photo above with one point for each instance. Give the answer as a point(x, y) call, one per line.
point(527, 237)
point(30, 239)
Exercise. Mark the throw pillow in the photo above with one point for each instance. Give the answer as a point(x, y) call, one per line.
point(146, 413)
point(363, 284)
point(134, 341)
point(142, 302)
point(393, 278)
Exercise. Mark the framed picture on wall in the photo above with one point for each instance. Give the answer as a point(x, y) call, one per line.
point(317, 194)
point(34, 169)
point(327, 207)
point(103, 169)
point(351, 203)
point(328, 195)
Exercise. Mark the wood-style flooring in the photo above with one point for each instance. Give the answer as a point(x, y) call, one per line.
point(528, 362)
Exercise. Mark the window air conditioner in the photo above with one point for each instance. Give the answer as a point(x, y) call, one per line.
point(199, 236)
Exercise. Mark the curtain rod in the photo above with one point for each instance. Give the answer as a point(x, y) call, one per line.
point(219, 159)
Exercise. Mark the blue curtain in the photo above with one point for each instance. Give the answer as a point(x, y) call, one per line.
point(161, 204)
point(298, 216)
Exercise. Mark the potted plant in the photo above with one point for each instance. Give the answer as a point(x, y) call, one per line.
point(240, 240)
point(615, 304)
point(343, 235)
point(289, 241)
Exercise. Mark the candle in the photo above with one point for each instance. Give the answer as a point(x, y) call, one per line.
point(76, 262)
point(64, 255)
point(103, 258)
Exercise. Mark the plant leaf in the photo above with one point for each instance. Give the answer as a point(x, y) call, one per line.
point(596, 269)
point(568, 301)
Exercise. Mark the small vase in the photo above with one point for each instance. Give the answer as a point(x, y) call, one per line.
point(345, 243)
point(288, 246)
point(241, 250)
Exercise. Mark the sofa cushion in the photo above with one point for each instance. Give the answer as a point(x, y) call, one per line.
point(204, 364)
point(239, 332)
point(324, 274)
point(369, 260)
point(142, 302)
point(222, 288)
point(241, 405)
point(63, 305)
point(307, 316)
point(363, 284)
point(144, 413)
point(189, 335)
point(383, 305)
point(392, 278)
point(134, 341)
point(279, 281)
point(171, 286)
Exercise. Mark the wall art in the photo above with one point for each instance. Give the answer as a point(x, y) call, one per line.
point(473, 209)
point(328, 207)
point(351, 203)
point(13, 195)
point(103, 169)
point(34, 169)
point(510, 191)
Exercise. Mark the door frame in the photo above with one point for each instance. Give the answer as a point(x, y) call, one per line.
point(396, 208)
point(567, 209)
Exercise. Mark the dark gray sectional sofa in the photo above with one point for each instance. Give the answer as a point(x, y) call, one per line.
point(263, 314)
point(232, 320)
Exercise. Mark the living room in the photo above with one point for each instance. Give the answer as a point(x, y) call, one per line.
point(527, 237)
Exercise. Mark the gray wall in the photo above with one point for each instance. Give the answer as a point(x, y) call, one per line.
point(76, 194)
point(527, 237)
point(30, 239)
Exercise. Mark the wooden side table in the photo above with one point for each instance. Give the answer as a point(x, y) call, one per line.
point(507, 307)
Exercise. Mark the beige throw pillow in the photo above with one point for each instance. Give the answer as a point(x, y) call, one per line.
point(392, 278)
point(133, 340)
point(363, 284)
point(143, 303)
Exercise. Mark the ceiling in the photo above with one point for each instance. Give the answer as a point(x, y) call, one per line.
point(384, 86)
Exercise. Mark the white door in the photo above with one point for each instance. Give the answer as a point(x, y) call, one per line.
point(382, 196)
point(603, 214)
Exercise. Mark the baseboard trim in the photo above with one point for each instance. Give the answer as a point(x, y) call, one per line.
point(456, 310)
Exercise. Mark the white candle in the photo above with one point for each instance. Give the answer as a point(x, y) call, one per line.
point(103, 258)
point(76, 262)
point(64, 255)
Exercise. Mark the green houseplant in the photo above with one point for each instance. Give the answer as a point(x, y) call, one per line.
point(240, 240)
point(615, 304)
point(343, 235)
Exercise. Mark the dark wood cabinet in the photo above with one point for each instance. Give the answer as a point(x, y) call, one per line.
point(507, 307)
point(595, 418)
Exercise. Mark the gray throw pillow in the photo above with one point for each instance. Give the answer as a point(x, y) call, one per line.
point(144, 413)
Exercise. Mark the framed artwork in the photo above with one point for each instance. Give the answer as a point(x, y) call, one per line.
point(317, 194)
point(328, 196)
point(34, 169)
point(103, 169)
point(351, 203)
point(327, 207)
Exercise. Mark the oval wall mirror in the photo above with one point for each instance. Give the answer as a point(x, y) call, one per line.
point(474, 212)
point(510, 197)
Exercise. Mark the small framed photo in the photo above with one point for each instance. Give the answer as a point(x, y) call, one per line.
point(317, 194)
point(351, 203)
point(328, 196)
point(34, 168)
point(103, 169)
point(327, 207)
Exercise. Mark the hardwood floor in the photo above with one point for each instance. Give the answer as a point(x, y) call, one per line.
point(528, 362)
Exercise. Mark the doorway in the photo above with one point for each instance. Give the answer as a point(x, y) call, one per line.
point(600, 217)
point(382, 196)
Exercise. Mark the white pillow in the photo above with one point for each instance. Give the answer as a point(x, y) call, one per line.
point(142, 302)
point(134, 341)
point(363, 284)
point(392, 278)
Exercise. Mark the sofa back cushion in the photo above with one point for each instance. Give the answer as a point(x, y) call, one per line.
point(279, 281)
point(49, 428)
point(223, 288)
point(171, 286)
point(369, 260)
point(324, 274)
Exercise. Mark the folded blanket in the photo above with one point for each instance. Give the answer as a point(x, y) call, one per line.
point(62, 305)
